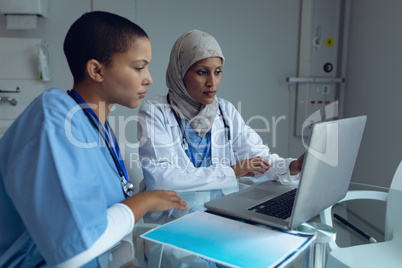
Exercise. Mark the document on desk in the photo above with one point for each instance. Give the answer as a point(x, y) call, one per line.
point(231, 242)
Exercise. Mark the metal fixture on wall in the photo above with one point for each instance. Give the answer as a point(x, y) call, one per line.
point(322, 56)
point(17, 90)
point(23, 14)
point(10, 100)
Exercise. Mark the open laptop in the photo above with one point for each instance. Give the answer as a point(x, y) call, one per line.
point(324, 179)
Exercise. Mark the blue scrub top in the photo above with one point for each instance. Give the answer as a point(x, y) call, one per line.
point(200, 147)
point(57, 179)
point(201, 151)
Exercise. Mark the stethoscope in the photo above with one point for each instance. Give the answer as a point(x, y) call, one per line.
point(186, 145)
point(126, 184)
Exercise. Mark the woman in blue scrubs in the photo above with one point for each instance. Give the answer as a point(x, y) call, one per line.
point(65, 196)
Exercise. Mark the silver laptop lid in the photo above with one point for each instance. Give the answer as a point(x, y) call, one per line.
point(328, 166)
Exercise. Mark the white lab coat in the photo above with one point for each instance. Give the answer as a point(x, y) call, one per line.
point(166, 165)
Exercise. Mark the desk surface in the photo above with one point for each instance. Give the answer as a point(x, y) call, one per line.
point(368, 215)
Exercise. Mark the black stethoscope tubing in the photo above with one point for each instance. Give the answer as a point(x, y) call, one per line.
point(227, 128)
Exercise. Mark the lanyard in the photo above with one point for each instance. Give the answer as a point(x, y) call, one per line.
point(109, 138)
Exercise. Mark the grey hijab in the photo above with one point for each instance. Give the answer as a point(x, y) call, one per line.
point(191, 47)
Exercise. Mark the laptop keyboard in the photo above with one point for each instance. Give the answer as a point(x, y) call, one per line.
point(279, 207)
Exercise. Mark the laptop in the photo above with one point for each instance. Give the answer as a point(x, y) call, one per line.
point(324, 180)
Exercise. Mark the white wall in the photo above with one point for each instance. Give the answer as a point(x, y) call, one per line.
point(374, 86)
point(259, 40)
point(259, 54)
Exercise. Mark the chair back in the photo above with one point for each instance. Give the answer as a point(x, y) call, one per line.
point(396, 183)
point(393, 230)
point(133, 166)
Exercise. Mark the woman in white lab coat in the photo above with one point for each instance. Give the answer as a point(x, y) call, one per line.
point(196, 143)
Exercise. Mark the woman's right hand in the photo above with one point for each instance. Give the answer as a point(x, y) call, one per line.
point(246, 168)
point(165, 200)
point(154, 201)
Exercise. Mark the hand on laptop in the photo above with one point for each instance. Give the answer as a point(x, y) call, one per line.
point(246, 168)
point(296, 166)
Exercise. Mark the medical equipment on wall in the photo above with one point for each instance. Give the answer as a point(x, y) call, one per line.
point(21, 56)
point(11, 101)
point(322, 57)
point(185, 143)
point(19, 76)
point(126, 184)
point(23, 14)
point(43, 62)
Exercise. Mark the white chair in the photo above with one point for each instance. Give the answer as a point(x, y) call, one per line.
point(382, 254)
point(134, 170)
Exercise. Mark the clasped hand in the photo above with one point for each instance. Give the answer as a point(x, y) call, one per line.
point(246, 168)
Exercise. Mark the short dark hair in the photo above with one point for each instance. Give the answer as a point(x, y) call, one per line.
point(98, 35)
